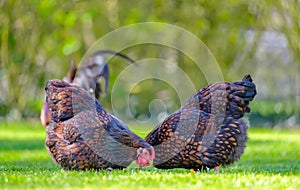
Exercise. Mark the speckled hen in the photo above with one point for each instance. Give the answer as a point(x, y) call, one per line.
point(208, 131)
point(83, 136)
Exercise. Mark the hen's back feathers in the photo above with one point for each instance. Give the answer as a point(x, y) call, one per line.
point(224, 98)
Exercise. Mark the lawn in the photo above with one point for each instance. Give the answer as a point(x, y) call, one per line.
point(271, 161)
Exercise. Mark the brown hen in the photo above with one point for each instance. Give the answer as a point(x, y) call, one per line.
point(82, 135)
point(207, 131)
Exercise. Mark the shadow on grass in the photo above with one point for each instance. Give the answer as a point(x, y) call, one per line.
point(241, 168)
point(25, 165)
point(22, 144)
point(263, 156)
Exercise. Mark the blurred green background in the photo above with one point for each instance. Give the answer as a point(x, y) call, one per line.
point(38, 39)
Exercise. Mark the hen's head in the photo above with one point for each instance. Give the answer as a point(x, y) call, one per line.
point(145, 156)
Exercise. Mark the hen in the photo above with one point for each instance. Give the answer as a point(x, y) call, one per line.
point(87, 76)
point(83, 136)
point(207, 131)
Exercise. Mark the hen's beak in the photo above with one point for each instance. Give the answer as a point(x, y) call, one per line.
point(150, 161)
point(143, 158)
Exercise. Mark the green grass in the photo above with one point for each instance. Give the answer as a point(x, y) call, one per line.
point(271, 161)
